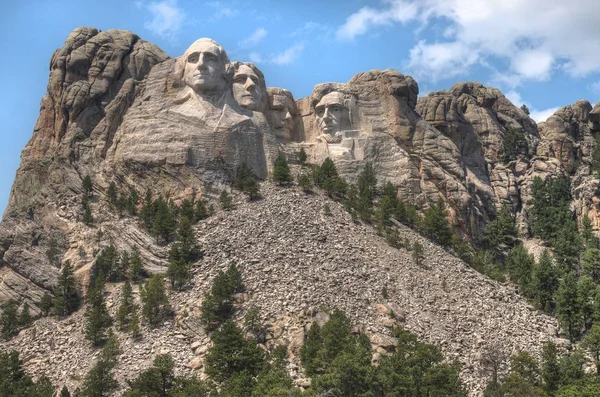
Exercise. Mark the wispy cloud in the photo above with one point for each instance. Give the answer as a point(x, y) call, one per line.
point(285, 57)
point(538, 115)
point(167, 18)
point(255, 38)
point(221, 11)
point(596, 87)
point(542, 115)
point(533, 38)
point(289, 55)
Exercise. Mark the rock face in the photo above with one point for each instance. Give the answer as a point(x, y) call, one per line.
point(118, 109)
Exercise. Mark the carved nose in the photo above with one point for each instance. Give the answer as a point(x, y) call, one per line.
point(250, 84)
point(288, 116)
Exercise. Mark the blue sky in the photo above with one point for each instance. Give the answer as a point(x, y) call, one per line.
point(544, 53)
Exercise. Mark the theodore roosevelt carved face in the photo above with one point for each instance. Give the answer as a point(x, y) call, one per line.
point(205, 66)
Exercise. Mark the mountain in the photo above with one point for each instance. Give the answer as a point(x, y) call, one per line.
point(120, 111)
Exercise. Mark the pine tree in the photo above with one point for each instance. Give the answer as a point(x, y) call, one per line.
point(501, 232)
point(178, 270)
point(53, 252)
point(304, 182)
point(568, 309)
point(25, 317)
point(112, 193)
point(225, 200)
point(281, 171)
point(136, 268)
point(87, 185)
point(9, 319)
point(302, 156)
point(591, 343)
point(520, 266)
point(67, 298)
point(132, 202)
point(201, 211)
point(550, 369)
point(97, 319)
point(590, 263)
point(186, 210)
point(64, 392)
point(45, 304)
point(126, 308)
point(417, 253)
point(148, 211)
point(544, 282)
point(435, 223)
point(231, 354)
point(99, 381)
point(88, 219)
point(156, 307)
point(586, 292)
point(164, 221)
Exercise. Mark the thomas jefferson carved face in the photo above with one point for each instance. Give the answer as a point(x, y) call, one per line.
point(282, 110)
point(247, 88)
point(332, 113)
point(205, 66)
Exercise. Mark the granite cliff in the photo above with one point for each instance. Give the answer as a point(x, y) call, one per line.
point(118, 109)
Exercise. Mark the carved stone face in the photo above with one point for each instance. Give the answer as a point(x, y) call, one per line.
point(282, 110)
point(332, 114)
point(246, 88)
point(205, 67)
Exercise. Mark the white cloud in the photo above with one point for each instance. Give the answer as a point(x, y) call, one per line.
point(289, 55)
point(367, 17)
point(535, 37)
point(542, 115)
point(255, 57)
point(596, 87)
point(167, 18)
point(221, 11)
point(254, 38)
point(514, 97)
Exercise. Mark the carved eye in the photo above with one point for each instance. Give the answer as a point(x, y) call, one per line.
point(336, 108)
point(320, 111)
point(210, 57)
point(193, 58)
point(239, 80)
point(254, 79)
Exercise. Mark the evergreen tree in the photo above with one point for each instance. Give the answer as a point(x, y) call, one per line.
point(226, 201)
point(53, 252)
point(136, 268)
point(281, 171)
point(126, 308)
point(501, 232)
point(15, 383)
point(550, 369)
point(326, 177)
point(97, 319)
point(87, 185)
point(590, 263)
point(568, 309)
point(112, 193)
point(587, 233)
point(586, 292)
point(25, 317)
point(64, 392)
point(46, 303)
point(164, 221)
point(88, 219)
point(201, 211)
point(525, 109)
point(253, 324)
point(417, 253)
point(304, 182)
point(231, 353)
point(9, 319)
point(148, 211)
point(302, 156)
point(435, 223)
point(520, 266)
point(514, 144)
point(67, 298)
point(544, 282)
point(178, 270)
point(158, 380)
point(186, 210)
point(591, 344)
point(99, 381)
point(156, 307)
point(132, 202)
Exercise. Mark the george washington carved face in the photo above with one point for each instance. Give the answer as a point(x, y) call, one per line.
point(205, 66)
